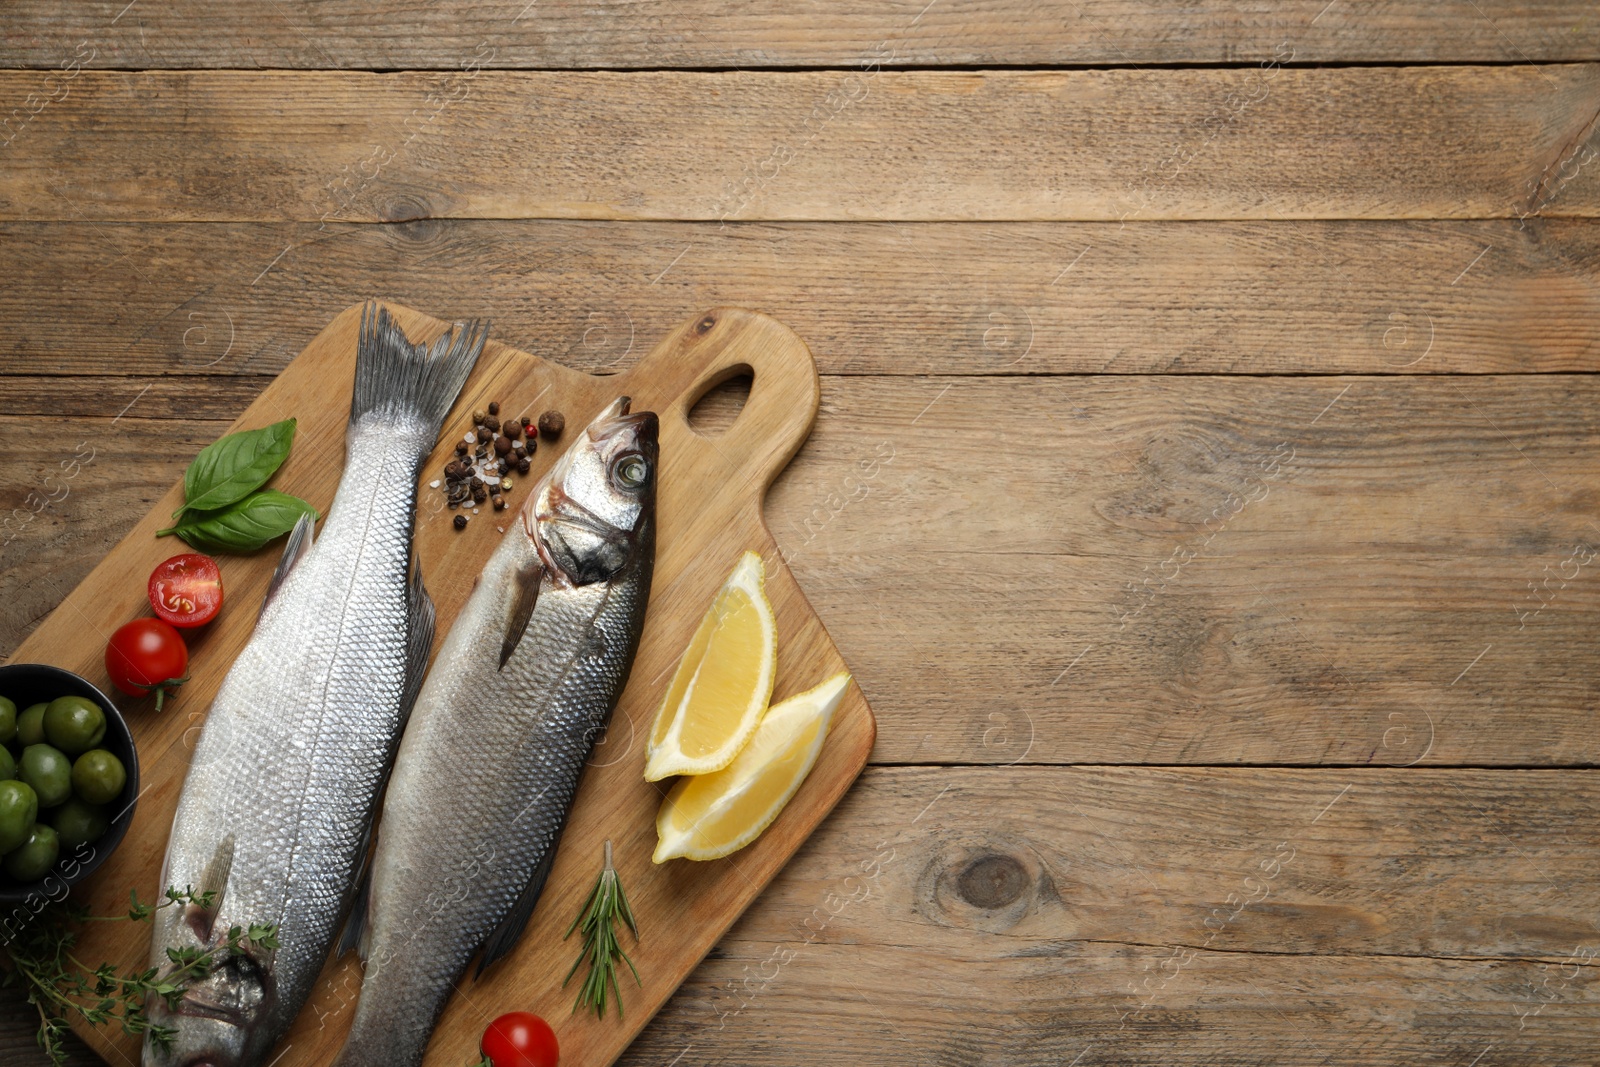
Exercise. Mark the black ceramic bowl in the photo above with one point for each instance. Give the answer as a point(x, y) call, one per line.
point(30, 683)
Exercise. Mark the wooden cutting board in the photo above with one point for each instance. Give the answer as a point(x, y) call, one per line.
point(710, 498)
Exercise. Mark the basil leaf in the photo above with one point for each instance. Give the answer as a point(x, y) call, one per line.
point(229, 468)
point(244, 525)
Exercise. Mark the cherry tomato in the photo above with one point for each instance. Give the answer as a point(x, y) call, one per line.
point(186, 590)
point(520, 1039)
point(145, 655)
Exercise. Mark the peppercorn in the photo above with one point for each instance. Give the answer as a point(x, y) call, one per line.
point(494, 407)
point(477, 416)
point(492, 424)
point(479, 493)
point(499, 502)
point(504, 467)
point(461, 522)
point(461, 448)
point(551, 423)
point(523, 465)
point(477, 482)
point(513, 430)
point(454, 469)
point(502, 445)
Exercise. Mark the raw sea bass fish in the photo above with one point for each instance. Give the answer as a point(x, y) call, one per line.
point(505, 722)
point(278, 804)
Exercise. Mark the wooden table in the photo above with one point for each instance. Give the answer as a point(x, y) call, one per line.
point(1206, 490)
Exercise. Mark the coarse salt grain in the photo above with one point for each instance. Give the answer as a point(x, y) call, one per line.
point(434, 484)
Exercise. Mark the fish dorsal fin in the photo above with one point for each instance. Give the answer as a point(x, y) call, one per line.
point(298, 544)
point(420, 622)
point(213, 883)
point(356, 928)
point(528, 578)
point(503, 938)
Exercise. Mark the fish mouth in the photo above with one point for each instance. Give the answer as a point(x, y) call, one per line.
point(618, 417)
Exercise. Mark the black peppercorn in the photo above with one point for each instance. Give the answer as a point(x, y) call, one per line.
point(494, 407)
point(499, 502)
point(502, 445)
point(461, 448)
point(523, 465)
point(551, 423)
point(513, 430)
point(492, 424)
point(461, 522)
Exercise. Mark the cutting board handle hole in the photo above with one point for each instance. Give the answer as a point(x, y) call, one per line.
point(722, 397)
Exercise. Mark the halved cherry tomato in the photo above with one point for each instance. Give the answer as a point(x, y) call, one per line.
point(186, 590)
point(520, 1039)
point(145, 655)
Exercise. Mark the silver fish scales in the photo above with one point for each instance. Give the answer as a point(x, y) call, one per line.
point(277, 806)
point(505, 722)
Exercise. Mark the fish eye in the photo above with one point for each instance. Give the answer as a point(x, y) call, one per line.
point(631, 471)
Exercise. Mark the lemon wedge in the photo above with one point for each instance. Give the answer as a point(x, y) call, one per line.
point(711, 815)
point(722, 684)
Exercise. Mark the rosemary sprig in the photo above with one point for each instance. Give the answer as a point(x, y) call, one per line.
point(60, 986)
point(607, 903)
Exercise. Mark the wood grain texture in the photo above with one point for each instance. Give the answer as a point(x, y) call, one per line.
point(696, 33)
point(968, 539)
point(1032, 916)
point(1418, 142)
point(1416, 916)
point(708, 512)
point(206, 300)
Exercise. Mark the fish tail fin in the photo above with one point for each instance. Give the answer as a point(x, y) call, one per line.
point(399, 379)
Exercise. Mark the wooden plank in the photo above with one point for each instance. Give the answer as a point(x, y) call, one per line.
point(1185, 144)
point(1033, 916)
point(1004, 915)
point(968, 540)
point(696, 33)
point(917, 298)
point(708, 511)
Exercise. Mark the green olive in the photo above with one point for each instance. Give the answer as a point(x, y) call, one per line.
point(19, 807)
point(78, 822)
point(49, 772)
point(30, 725)
point(33, 859)
point(8, 720)
point(98, 776)
point(8, 764)
point(74, 724)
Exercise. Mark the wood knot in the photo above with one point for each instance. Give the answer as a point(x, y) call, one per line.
point(992, 881)
point(406, 207)
point(705, 324)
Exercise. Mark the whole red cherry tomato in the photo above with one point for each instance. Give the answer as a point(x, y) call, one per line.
point(186, 590)
point(520, 1039)
point(147, 654)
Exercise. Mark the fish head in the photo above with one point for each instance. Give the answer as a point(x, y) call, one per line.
point(219, 1019)
point(589, 514)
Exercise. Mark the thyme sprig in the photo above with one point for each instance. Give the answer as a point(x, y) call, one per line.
point(61, 987)
point(607, 903)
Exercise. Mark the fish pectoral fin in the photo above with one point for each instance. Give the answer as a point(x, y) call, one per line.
point(298, 545)
point(503, 938)
point(528, 578)
point(202, 917)
point(420, 621)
